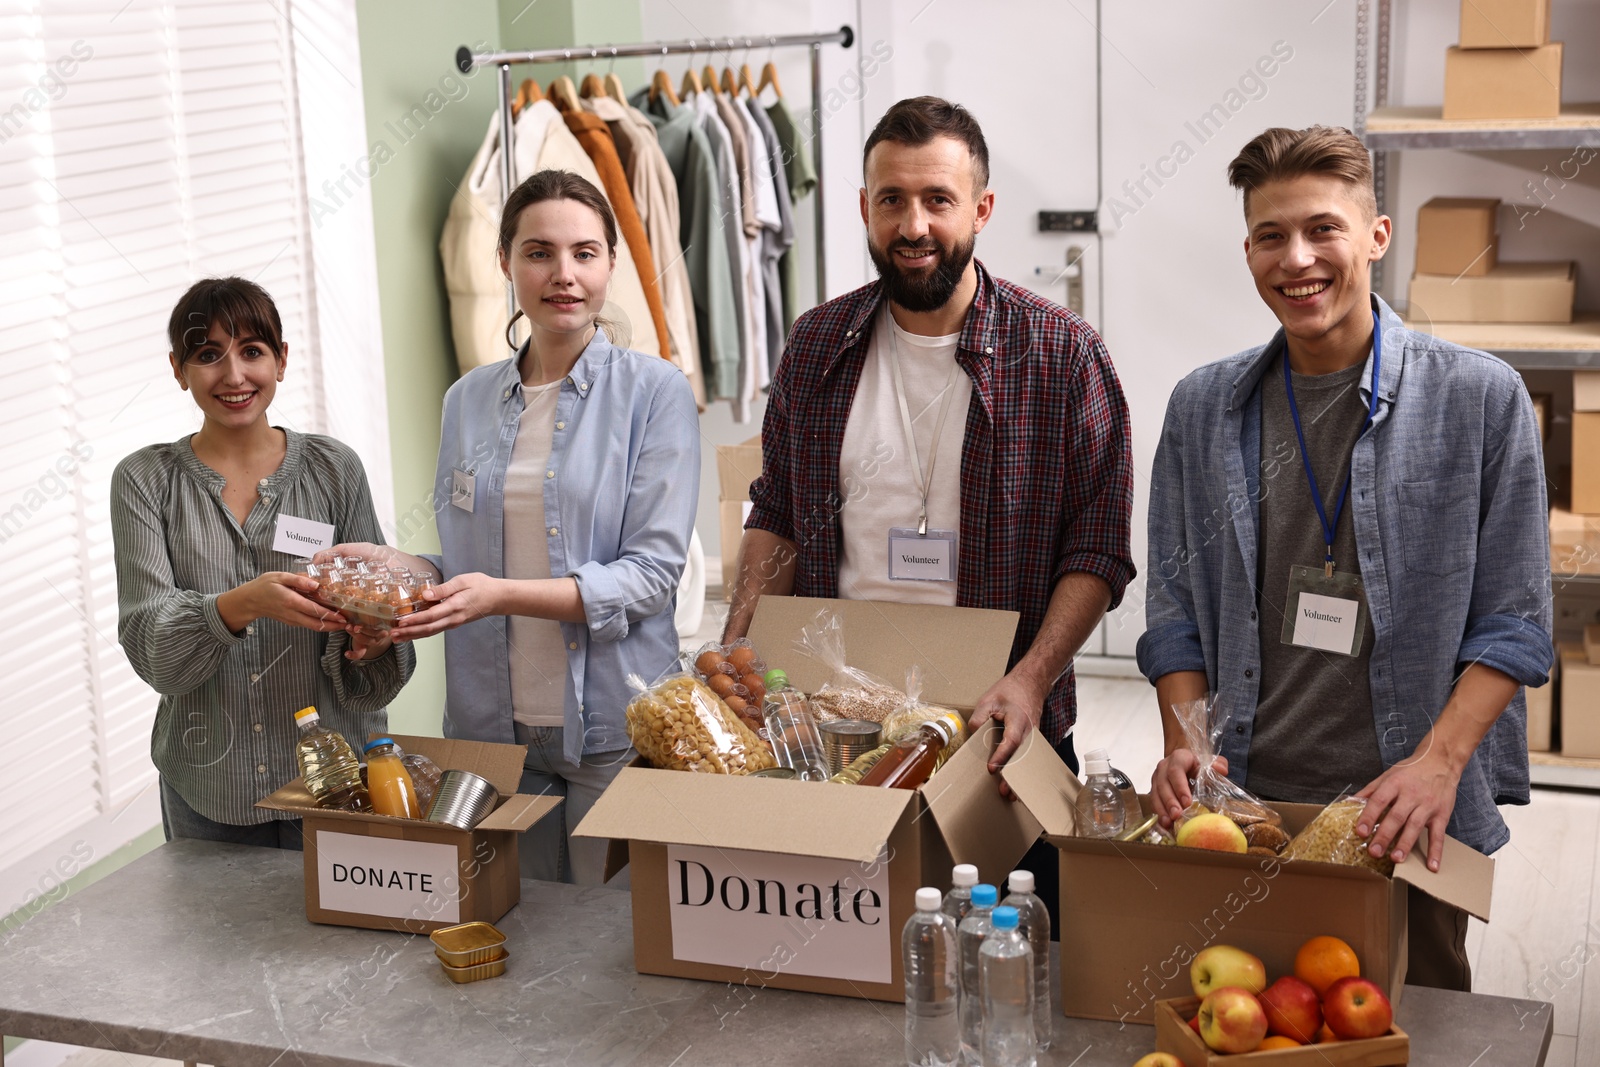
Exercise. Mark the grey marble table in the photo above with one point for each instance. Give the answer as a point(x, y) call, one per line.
point(202, 952)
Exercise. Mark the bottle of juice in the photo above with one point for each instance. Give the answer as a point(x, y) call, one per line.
point(393, 792)
point(912, 759)
point(331, 771)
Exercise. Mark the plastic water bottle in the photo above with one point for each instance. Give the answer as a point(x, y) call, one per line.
point(1101, 812)
point(1007, 989)
point(974, 928)
point(928, 952)
point(958, 901)
point(1034, 922)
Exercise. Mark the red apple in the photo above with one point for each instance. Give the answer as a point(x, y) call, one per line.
point(1194, 1024)
point(1214, 831)
point(1292, 1009)
point(1356, 1008)
point(1159, 1059)
point(1232, 1020)
point(1224, 965)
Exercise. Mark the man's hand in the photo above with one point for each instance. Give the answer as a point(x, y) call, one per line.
point(366, 646)
point(1170, 786)
point(463, 599)
point(278, 595)
point(1418, 792)
point(1018, 703)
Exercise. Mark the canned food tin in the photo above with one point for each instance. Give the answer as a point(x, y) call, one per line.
point(845, 739)
point(775, 772)
point(478, 971)
point(463, 800)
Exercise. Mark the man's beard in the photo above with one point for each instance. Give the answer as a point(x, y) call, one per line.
point(927, 290)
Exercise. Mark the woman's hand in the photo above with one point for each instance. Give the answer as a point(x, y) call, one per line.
point(366, 646)
point(463, 599)
point(278, 595)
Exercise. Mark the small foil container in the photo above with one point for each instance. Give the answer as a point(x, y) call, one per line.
point(463, 800)
point(478, 971)
point(467, 945)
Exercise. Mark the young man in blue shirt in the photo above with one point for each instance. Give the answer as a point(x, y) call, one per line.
point(1348, 544)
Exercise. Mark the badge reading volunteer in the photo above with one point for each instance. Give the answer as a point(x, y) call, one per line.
point(302, 538)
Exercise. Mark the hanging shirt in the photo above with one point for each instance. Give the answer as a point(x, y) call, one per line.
point(756, 376)
point(876, 478)
point(802, 177)
point(739, 142)
point(538, 656)
point(732, 208)
point(775, 241)
point(467, 249)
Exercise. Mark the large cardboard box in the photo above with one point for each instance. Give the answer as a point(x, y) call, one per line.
point(1591, 644)
point(383, 873)
point(1586, 390)
point(1511, 292)
point(799, 885)
point(1458, 235)
point(1586, 462)
point(1574, 543)
point(1541, 712)
point(1502, 83)
point(1505, 23)
point(1133, 916)
point(1580, 704)
point(737, 466)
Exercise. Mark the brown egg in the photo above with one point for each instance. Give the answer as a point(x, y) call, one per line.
point(721, 684)
point(743, 657)
point(735, 704)
point(706, 662)
point(758, 688)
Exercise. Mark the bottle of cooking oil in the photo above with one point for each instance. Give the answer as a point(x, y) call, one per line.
point(331, 770)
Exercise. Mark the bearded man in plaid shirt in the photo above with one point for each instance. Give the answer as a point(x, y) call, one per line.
point(945, 437)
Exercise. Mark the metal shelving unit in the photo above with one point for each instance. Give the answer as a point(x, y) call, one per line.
point(1566, 346)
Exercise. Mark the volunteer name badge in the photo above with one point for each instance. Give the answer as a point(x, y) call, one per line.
point(1325, 612)
point(914, 557)
point(301, 537)
point(463, 486)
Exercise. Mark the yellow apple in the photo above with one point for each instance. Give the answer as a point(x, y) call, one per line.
point(1224, 965)
point(1159, 1059)
point(1214, 831)
point(1232, 1020)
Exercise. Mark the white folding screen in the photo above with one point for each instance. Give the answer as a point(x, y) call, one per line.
point(145, 144)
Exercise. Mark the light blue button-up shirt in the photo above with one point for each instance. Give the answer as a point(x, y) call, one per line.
point(1447, 495)
point(619, 511)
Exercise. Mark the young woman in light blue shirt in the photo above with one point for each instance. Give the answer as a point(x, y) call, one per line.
point(565, 497)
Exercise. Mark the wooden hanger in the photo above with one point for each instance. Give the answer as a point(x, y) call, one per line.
point(527, 93)
point(691, 81)
point(746, 82)
point(661, 85)
point(592, 86)
point(615, 90)
point(709, 77)
point(730, 82)
point(769, 76)
point(564, 95)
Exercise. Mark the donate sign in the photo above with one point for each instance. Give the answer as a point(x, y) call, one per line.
point(780, 914)
point(381, 876)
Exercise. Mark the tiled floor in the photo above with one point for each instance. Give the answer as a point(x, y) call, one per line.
point(1546, 925)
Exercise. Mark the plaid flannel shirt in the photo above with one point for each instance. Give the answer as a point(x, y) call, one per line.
point(1046, 476)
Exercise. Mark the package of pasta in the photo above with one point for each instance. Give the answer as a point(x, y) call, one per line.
point(1331, 838)
point(1203, 722)
point(913, 713)
point(849, 693)
point(680, 724)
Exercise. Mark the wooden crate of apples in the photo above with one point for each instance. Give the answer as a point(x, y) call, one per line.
point(1323, 1015)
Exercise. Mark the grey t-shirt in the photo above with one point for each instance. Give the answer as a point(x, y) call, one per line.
point(1314, 732)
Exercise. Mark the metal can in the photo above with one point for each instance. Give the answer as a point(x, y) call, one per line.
point(775, 772)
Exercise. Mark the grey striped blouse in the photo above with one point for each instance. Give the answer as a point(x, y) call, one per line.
point(224, 733)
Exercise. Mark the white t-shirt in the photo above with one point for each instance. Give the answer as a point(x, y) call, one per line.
point(876, 476)
point(538, 655)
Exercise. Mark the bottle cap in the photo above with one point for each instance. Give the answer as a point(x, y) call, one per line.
point(375, 742)
point(775, 679)
point(1097, 761)
point(308, 714)
point(1004, 918)
point(984, 896)
point(965, 874)
point(1021, 882)
point(929, 899)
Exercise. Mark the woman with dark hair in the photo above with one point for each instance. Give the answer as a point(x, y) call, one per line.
point(567, 484)
point(209, 613)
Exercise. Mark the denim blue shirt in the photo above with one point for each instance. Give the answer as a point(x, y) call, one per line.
point(1448, 499)
point(619, 510)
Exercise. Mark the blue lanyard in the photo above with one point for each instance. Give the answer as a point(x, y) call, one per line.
point(1328, 528)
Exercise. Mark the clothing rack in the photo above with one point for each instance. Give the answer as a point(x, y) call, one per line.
point(844, 36)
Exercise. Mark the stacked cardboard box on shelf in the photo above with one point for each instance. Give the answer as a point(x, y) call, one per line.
point(1580, 703)
point(1506, 66)
point(1586, 442)
point(1459, 276)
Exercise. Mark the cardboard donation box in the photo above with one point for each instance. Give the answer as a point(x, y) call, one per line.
point(1174, 1035)
point(1586, 390)
point(383, 873)
point(1502, 83)
point(737, 466)
point(1505, 23)
point(1574, 543)
point(1458, 235)
point(1580, 703)
point(1511, 292)
point(1134, 916)
point(807, 885)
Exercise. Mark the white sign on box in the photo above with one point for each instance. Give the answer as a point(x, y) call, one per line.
point(380, 876)
point(771, 913)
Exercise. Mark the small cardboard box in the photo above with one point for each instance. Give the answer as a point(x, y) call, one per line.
point(1511, 292)
point(737, 466)
point(1580, 704)
point(1574, 543)
point(1591, 645)
point(1505, 23)
point(1541, 711)
point(1458, 235)
point(1502, 83)
point(1541, 414)
point(807, 886)
point(1586, 390)
point(731, 515)
point(1134, 916)
point(1173, 1035)
point(383, 873)
point(1586, 462)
